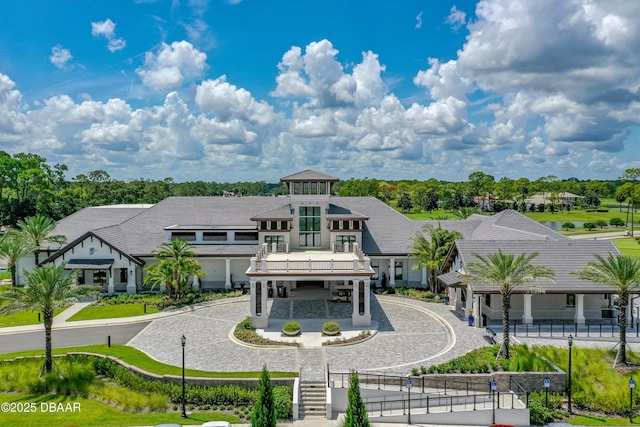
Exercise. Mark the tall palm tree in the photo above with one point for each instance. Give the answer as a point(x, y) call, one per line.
point(177, 263)
point(13, 246)
point(47, 288)
point(37, 230)
point(623, 274)
point(431, 251)
point(506, 272)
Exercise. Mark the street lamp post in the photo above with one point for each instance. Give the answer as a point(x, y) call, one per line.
point(632, 384)
point(183, 341)
point(494, 387)
point(570, 340)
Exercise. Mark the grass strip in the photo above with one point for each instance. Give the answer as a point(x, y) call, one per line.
point(112, 311)
point(22, 318)
point(135, 357)
point(58, 411)
point(628, 246)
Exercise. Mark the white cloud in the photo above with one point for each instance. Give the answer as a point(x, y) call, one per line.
point(228, 102)
point(107, 29)
point(60, 57)
point(419, 20)
point(456, 18)
point(172, 66)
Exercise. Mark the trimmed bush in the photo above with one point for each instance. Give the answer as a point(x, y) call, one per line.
point(292, 328)
point(568, 225)
point(331, 327)
point(616, 222)
point(589, 225)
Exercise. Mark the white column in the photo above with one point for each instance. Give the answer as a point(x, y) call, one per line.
point(526, 317)
point(469, 302)
point(355, 300)
point(252, 298)
point(263, 296)
point(367, 297)
point(458, 298)
point(477, 312)
point(424, 276)
point(227, 273)
point(196, 283)
point(392, 272)
point(131, 280)
point(111, 286)
point(579, 319)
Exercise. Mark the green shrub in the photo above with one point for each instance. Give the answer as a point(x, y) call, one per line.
point(247, 325)
point(331, 327)
point(589, 225)
point(568, 225)
point(540, 414)
point(292, 327)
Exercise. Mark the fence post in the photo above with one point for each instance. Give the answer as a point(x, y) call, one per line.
point(515, 330)
point(427, 404)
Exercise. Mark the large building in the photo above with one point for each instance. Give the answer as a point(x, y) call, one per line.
point(273, 246)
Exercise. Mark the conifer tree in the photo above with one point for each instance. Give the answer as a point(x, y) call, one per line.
point(356, 415)
point(264, 410)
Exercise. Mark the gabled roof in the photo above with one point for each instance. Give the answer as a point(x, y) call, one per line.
point(69, 247)
point(511, 225)
point(563, 257)
point(94, 218)
point(283, 213)
point(309, 175)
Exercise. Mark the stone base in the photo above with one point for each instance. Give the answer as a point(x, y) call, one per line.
point(527, 320)
point(361, 320)
point(261, 322)
point(131, 289)
point(111, 289)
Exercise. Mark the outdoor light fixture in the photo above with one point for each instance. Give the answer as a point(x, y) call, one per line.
point(183, 341)
point(632, 384)
point(570, 340)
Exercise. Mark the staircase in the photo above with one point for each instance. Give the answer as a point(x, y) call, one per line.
point(313, 399)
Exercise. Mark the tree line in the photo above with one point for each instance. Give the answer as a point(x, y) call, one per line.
point(30, 186)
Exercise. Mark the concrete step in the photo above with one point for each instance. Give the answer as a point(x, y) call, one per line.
point(313, 399)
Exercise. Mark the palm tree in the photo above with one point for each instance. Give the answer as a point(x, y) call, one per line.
point(37, 230)
point(177, 264)
point(432, 251)
point(506, 273)
point(48, 288)
point(622, 273)
point(13, 246)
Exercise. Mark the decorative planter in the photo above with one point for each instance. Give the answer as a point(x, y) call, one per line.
point(291, 333)
point(291, 329)
point(331, 333)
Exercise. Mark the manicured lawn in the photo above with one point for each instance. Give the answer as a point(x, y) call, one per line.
point(140, 359)
point(592, 420)
point(22, 318)
point(628, 246)
point(112, 311)
point(576, 215)
point(89, 413)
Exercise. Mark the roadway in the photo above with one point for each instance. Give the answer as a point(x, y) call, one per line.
point(34, 340)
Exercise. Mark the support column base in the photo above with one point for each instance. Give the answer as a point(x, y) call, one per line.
point(527, 320)
point(579, 320)
point(261, 322)
point(361, 320)
point(131, 289)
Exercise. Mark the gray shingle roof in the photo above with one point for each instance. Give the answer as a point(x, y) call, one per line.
point(561, 256)
point(283, 212)
point(92, 218)
point(336, 212)
point(310, 175)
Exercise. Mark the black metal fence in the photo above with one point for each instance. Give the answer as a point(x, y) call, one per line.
point(574, 329)
point(428, 403)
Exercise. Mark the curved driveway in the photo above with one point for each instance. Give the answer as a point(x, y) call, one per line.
point(410, 334)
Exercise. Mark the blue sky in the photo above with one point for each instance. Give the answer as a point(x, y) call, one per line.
point(248, 90)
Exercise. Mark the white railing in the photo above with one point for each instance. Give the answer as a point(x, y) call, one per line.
point(309, 265)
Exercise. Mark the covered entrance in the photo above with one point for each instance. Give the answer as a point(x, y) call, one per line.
point(317, 271)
